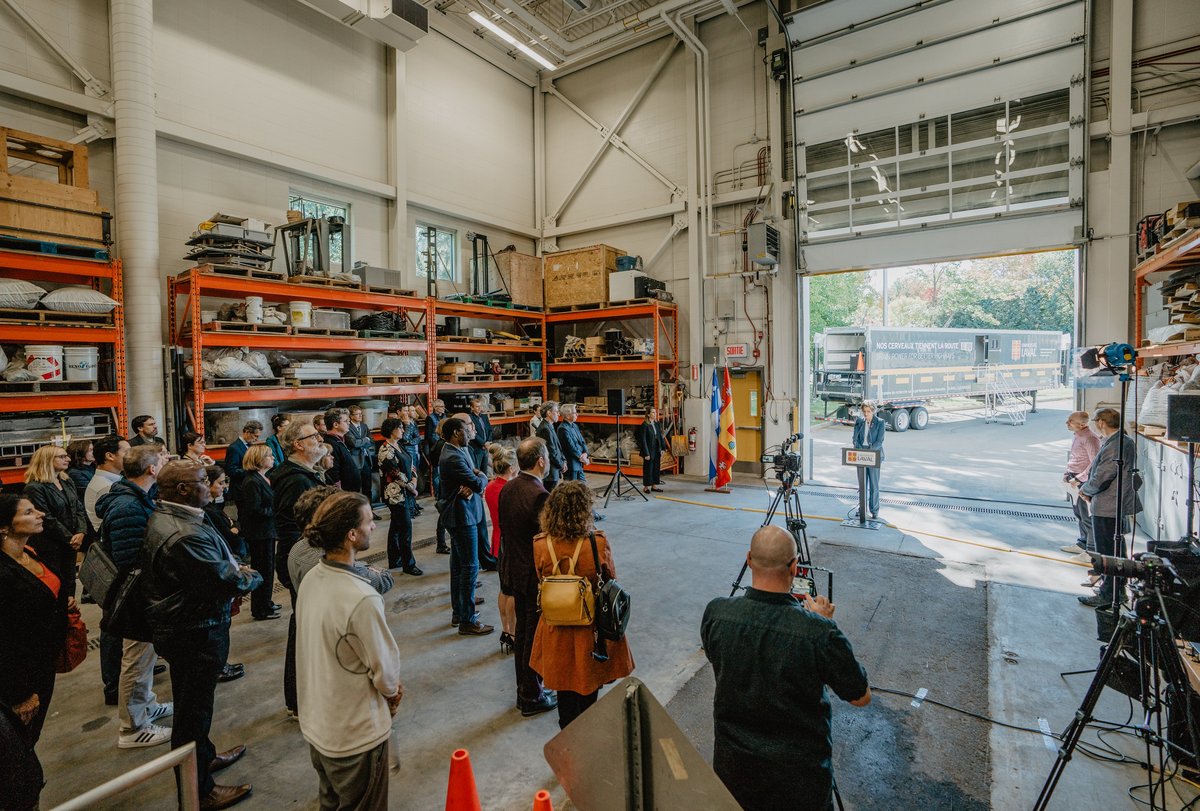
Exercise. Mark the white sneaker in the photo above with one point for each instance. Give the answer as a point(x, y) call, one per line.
point(163, 710)
point(149, 735)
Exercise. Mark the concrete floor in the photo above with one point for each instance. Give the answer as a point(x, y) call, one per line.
point(1014, 625)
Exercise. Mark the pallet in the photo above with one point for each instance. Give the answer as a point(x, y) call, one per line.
point(325, 332)
point(574, 308)
point(48, 386)
point(633, 302)
point(55, 318)
point(576, 359)
point(463, 339)
point(515, 376)
point(324, 281)
point(246, 328)
point(242, 383)
point(300, 383)
point(625, 358)
point(10, 243)
point(394, 335)
point(467, 378)
point(1181, 227)
point(503, 342)
point(587, 409)
point(390, 380)
point(239, 270)
point(497, 303)
point(388, 291)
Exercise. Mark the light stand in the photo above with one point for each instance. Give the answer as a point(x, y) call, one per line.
point(619, 476)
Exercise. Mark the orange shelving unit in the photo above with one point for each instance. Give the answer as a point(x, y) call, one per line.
point(1182, 252)
point(43, 326)
point(664, 329)
point(187, 289)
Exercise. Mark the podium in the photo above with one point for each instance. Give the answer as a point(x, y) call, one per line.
point(862, 459)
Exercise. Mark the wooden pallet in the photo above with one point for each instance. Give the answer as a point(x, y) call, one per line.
point(55, 318)
point(625, 358)
point(503, 342)
point(574, 308)
point(633, 302)
point(463, 339)
point(388, 291)
point(390, 380)
point(467, 378)
point(517, 376)
point(239, 270)
point(1181, 227)
point(497, 303)
point(394, 335)
point(300, 383)
point(243, 383)
point(325, 332)
point(48, 386)
point(324, 281)
point(10, 243)
point(587, 409)
point(576, 359)
point(247, 328)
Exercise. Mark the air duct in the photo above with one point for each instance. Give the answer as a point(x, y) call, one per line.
point(397, 23)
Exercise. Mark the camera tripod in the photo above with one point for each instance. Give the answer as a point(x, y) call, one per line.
point(1144, 635)
point(789, 496)
point(620, 477)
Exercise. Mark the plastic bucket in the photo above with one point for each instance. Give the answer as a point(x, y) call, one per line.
point(44, 360)
point(81, 362)
point(254, 309)
point(300, 313)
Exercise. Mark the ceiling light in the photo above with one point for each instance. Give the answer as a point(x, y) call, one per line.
point(511, 40)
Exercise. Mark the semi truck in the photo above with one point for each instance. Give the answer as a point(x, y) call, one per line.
point(900, 370)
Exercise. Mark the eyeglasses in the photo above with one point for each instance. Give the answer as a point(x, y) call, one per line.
point(308, 436)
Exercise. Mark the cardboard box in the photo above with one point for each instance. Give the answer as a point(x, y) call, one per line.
point(456, 368)
point(593, 347)
point(579, 276)
point(521, 275)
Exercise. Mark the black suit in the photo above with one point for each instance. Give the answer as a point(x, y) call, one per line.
point(345, 472)
point(521, 502)
point(546, 433)
point(462, 516)
point(650, 445)
point(483, 435)
point(573, 449)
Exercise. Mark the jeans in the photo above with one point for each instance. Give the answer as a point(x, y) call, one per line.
point(872, 486)
point(136, 698)
point(1083, 515)
point(572, 705)
point(196, 658)
point(529, 683)
point(262, 560)
point(399, 537)
point(464, 568)
point(110, 663)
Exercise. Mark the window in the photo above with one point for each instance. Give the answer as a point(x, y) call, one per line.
point(316, 208)
point(437, 247)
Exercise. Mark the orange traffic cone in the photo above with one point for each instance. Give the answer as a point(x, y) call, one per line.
point(461, 794)
point(541, 802)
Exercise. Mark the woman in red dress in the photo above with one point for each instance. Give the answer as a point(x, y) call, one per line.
point(504, 465)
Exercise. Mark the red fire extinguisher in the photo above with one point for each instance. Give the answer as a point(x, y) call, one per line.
point(692, 441)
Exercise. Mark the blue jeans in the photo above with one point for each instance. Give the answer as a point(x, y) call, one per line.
point(464, 568)
point(872, 489)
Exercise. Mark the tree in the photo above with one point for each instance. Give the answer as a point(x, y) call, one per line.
point(841, 300)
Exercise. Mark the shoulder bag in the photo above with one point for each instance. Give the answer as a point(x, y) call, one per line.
point(75, 646)
point(566, 599)
point(612, 601)
point(98, 574)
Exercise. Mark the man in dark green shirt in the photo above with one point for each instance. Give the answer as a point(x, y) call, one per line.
point(773, 656)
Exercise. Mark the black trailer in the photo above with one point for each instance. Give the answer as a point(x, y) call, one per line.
point(901, 369)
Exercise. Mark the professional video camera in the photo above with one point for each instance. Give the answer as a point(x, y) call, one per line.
point(784, 462)
point(1171, 569)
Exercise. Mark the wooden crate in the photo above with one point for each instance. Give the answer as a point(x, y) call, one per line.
point(522, 277)
point(33, 208)
point(579, 276)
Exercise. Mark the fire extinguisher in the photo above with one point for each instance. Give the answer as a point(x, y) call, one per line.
point(692, 441)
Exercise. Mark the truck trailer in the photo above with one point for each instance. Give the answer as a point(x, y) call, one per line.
point(900, 370)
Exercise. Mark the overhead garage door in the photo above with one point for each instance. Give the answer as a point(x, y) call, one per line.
point(937, 130)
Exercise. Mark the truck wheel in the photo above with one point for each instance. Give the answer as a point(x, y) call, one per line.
point(900, 420)
point(920, 418)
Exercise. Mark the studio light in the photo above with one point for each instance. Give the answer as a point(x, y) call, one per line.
point(511, 40)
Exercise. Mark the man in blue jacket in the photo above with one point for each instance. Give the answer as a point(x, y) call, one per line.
point(251, 431)
point(483, 433)
point(124, 512)
point(868, 435)
point(461, 502)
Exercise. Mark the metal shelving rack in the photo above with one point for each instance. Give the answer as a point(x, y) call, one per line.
point(665, 326)
point(188, 333)
point(98, 275)
point(1183, 252)
point(483, 312)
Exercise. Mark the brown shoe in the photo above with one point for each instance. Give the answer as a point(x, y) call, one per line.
point(224, 760)
point(224, 796)
point(474, 629)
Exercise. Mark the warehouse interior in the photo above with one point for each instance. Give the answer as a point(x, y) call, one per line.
point(481, 173)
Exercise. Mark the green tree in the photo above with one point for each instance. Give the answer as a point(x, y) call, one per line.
point(841, 300)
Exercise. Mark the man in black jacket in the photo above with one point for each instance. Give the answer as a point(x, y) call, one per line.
point(574, 449)
point(461, 497)
point(547, 432)
point(521, 502)
point(345, 472)
point(190, 579)
point(483, 434)
point(437, 413)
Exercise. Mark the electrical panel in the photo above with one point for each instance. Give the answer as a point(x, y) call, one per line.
point(763, 244)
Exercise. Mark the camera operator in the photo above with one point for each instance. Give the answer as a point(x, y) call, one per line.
point(1100, 493)
point(773, 656)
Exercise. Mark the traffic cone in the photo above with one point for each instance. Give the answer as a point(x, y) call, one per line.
point(461, 794)
point(541, 801)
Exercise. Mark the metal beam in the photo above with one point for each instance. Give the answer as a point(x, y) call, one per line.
point(1160, 117)
point(52, 95)
point(647, 83)
point(97, 87)
point(616, 220)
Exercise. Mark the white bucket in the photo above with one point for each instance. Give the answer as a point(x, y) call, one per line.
point(300, 313)
point(208, 316)
point(81, 362)
point(44, 360)
point(254, 309)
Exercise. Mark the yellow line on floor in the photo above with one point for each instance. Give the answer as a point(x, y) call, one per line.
point(906, 530)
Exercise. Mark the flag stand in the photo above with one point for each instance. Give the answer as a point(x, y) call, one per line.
point(724, 490)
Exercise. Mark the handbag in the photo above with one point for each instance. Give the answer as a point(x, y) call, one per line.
point(566, 599)
point(612, 602)
point(125, 615)
point(98, 574)
point(74, 649)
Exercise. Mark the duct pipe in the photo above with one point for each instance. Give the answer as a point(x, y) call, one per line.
point(131, 27)
point(706, 132)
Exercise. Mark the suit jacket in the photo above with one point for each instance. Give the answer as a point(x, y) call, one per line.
point(649, 439)
point(233, 463)
point(457, 470)
point(346, 471)
point(432, 421)
point(547, 434)
point(361, 444)
point(483, 430)
point(573, 446)
point(869, 438)
point(1101, 483)
point(33, 624)
point(521, 502)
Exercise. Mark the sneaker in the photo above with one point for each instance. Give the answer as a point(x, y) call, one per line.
point(1075, 547)
point(163, 710)
point(1095, 601)
point(149, 735)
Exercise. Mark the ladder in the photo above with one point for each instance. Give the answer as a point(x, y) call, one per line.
point(1000, 399)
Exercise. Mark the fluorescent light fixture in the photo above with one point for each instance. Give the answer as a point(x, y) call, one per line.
point(511, 40)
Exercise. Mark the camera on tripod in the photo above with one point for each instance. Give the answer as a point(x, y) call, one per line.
point(784, 462)
point(1171, 569)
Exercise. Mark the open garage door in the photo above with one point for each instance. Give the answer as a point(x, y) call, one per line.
point(937, 130)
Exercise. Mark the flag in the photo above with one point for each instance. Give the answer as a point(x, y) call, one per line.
point(716, 422)
point(726, 435)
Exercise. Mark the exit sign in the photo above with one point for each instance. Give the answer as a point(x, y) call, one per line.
point(737, 350)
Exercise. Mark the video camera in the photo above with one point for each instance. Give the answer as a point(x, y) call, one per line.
point(1171, 569)
point(784, 462)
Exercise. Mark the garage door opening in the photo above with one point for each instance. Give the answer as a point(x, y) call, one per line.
point(966, 361)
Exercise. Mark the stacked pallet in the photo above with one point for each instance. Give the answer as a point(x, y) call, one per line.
point(234, 245)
